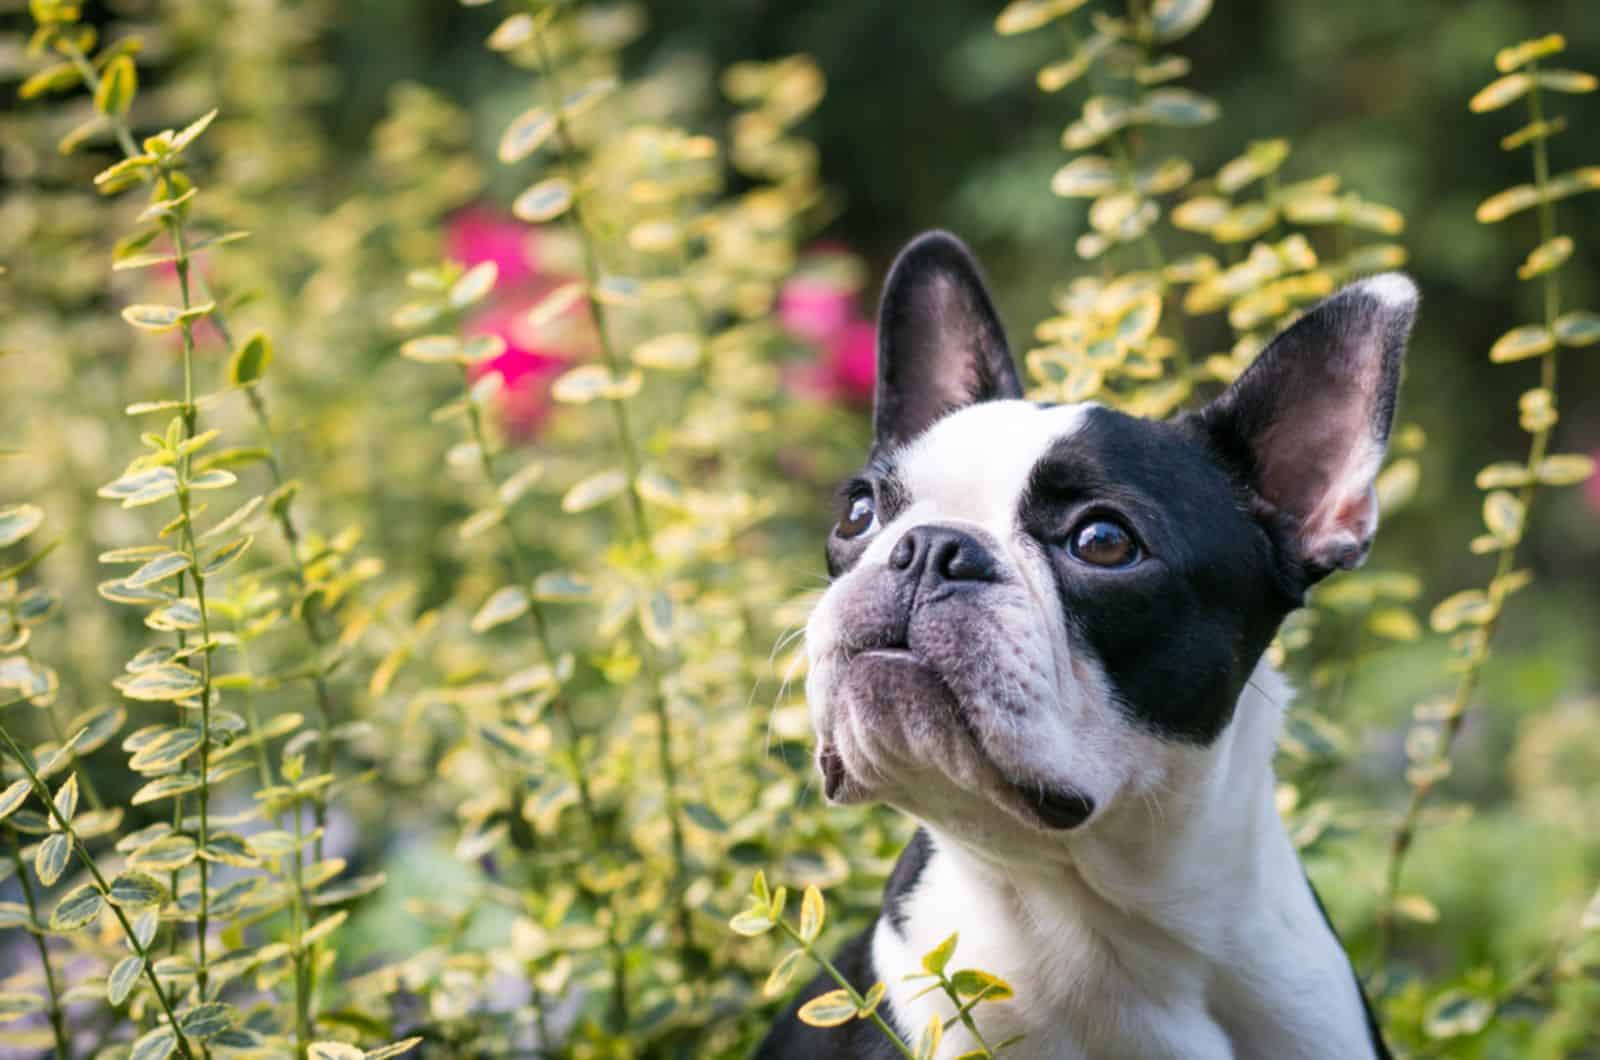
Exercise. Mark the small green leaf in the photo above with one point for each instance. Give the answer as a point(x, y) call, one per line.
point(971, 983)
point(169, 853)
point(433, 349)
point(526, 134)
point(1578, 328)
point(159, 569)
point(1545, 257)
point(828, 1010)
point(229, 848)
point(152, 317)
point(120, 983)
point(1173, 19)
point(594, 490)
point(1500, 93)
point(78, 907)
point(937, 958)
point(545, 201)
point(164, 683)
point(473, 285)
point(133, 890)
point(118, 83)
point(928, 1041)
point(206, 1021)
point(1518, 55)
point(15, 795)
point(674, 352)
point(155, 1045)
point(505, 605)
point(813, 912)
point(51, 859)
point(56, 78)
point(753, 921)
point(1529, 340)
point(1565, 469)
point(15, 1005)
point(225, 555)
point(18, 521)
point(167, 750)
point(870, 1000)
point(1456, 1014)
point(67, 798)
point(250, 361)
point(561, 587)
point(1470, 607)
point(1020, 16)
point(399, 1048)
point(704, 816)
point(1179, 107)
point(782, 972)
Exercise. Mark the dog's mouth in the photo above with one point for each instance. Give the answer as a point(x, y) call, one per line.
point(1054, 807)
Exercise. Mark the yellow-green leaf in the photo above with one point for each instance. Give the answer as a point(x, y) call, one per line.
point(937, 958)
point(50, 860)
point(1578, 328)
point(782, 973)
point(504, 605)
point(17, 521)
point(1177, 18)
point(1565, 469)
point(118, 83)
point(1520, 54)
point(1470, 607)
point(474, 284)
point(526, 133)
point(15, 795)
point(930, 1038)
point(1020, 16)
point(676, 351)
point(1455, 1014)
point(1545, 257)
point(594, 490)
point(1503, 515)
point(1529, 340)
point(972, 983)
point(121, 981)
point(77, 908)
point(545, 201)
point(828, 1010)
point(433, 349)
point(813, 912)
point(56, 78)
point(249, 362)
point(1501, 93)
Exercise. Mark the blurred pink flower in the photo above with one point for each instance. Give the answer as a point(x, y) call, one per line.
point(818, 306)
point(525, 371)
point(852, 364)
point(814, 309)
point(479, 233)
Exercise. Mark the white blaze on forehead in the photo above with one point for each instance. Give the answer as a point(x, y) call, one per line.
point(974, 464)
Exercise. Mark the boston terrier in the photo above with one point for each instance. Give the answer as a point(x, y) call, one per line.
point(1043, 641)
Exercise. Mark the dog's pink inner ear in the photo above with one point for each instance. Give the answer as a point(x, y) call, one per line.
point(1309, 420)
point(940, 344)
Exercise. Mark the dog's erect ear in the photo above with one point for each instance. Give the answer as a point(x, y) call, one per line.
point(1308, 422)
point(940, 344)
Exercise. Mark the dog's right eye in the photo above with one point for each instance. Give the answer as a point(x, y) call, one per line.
point(860, 515)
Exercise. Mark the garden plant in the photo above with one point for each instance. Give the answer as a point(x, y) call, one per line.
point(405, 532)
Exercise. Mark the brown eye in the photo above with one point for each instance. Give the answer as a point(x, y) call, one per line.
point(860, 515)
point(1103, 543)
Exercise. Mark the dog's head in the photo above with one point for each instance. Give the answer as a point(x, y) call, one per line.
point(1036, 610)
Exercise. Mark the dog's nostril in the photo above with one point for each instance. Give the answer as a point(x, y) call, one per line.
point(905, 552)
point(942, 553)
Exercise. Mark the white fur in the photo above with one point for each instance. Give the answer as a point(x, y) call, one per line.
point(1394, 289)
point(1176, 922)
point(1182, 928)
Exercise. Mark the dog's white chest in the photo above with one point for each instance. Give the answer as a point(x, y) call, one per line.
point(1091, 988)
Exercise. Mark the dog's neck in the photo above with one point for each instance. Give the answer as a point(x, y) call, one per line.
point(1181, 922)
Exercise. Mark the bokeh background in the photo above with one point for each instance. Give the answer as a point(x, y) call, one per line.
point(358, 142)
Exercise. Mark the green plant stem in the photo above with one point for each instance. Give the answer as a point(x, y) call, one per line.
point(1404, 835)
point(284, 515)
point(522, 570)
point(42, 791)
point(58, 1023)
point(566, 151)
point(91, 79)
point(844, 984)
point(964, 1013)
point(190, 429)
point(303, 983)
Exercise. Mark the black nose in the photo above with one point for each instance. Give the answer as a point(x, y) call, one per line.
point(942, 554)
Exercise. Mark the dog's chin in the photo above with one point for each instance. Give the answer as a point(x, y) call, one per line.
point(894, 693)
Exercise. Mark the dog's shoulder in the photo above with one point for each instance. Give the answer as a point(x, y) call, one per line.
point(1379, 1047)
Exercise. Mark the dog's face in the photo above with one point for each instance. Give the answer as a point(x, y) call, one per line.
point(1040, 613)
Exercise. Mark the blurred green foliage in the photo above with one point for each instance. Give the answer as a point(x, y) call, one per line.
point(503, 717)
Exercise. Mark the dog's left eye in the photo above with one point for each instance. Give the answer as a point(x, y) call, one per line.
point(860, 515)
point(1103, 542)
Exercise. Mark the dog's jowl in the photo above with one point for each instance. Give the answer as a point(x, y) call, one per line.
point(1043, 641)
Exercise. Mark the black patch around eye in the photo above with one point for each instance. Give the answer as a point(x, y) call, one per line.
point(1179, 632)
